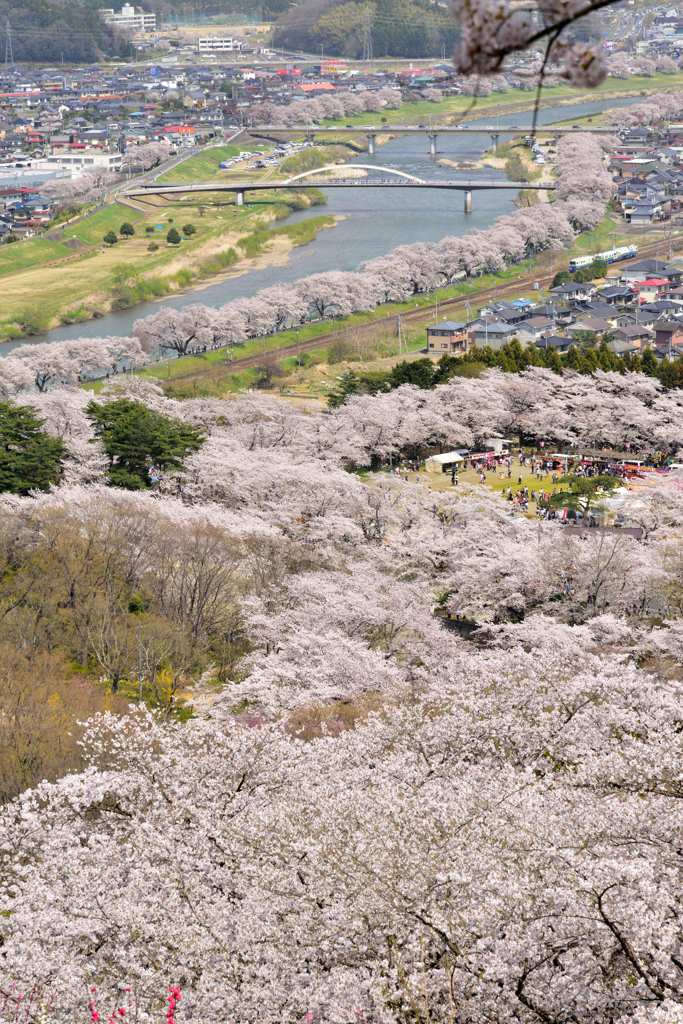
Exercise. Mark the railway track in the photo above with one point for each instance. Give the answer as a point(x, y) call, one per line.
point(413, 316)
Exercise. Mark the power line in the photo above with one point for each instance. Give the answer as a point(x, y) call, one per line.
point(367, 39)
point(9, 56)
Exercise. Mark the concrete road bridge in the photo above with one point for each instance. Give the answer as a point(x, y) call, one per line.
point(433, 131)
point(400, 180)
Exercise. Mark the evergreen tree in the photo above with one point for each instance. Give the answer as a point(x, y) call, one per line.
point(552, 360)
point(110, 238)
point(584, 494)
point(560, 277)
point(127, 230)
point(173, 238)
point(29, 458)
point(667, 373)
point(649, 363)
point(136, 439)
point(606, 358)
point(419, 372)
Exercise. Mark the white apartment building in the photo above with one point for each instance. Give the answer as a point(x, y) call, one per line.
point(130, 17)
point(218, 44)
point(76, 162)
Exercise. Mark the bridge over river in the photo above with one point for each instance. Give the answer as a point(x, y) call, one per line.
point(432, 130)
point(400, 180)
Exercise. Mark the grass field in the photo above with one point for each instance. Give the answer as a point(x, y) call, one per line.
point(67, 286)
point(27, 254)
point(95, 227)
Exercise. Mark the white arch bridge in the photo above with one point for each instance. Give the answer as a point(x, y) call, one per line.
point(399, 180)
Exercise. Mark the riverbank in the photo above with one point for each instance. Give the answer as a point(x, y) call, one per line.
point(115, 277)
point(370, 222)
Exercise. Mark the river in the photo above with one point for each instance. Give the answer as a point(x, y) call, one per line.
point(374, 222)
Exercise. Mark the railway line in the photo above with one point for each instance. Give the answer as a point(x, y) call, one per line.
point(424, 314)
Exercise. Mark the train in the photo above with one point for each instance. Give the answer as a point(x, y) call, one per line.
point(622, 252)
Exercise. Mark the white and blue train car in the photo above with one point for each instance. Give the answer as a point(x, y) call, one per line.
point(622, 252)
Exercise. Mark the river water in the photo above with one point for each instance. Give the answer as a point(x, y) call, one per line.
point(374, 222)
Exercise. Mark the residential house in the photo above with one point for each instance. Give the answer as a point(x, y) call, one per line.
point(616, 295)
point(621, 347)
point(668, 333)
point(597, 310)
point(448, 336)
point(572, 291)
point(482, 333)
point(645, 211)
point(650, 291)
point(599, 326)
point(635, 335)
point(642, 270)
point(557, 341)
point(534, 328)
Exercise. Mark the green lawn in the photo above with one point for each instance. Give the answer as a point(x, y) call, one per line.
point(109, 218)
point(27, 254)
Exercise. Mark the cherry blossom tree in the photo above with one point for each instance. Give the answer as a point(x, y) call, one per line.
point(52, 363)
point(285, 304)
point(177, 329)
point(336, 292)
point(666, 66)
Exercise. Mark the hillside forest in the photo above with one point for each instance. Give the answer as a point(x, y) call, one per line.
point(409, 28)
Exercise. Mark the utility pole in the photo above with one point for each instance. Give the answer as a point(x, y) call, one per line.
point(401, 334)
point(367, 40)
point(9, 56)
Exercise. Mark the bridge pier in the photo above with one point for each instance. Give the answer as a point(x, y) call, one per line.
point(371, 145)
point(432, 145)
point(239, 197)
point(468, 202)
point(494, 143)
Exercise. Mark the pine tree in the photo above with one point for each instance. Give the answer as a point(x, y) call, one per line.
point(29, 458)
point(136, 438)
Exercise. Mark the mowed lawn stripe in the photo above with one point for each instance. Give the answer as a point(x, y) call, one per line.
point(109, 218)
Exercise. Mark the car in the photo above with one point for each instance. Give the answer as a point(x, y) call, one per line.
point(329, 127)
point(422, 126)
point(576, 126)
point(349, 126)
point(460, 126)
point(368, 126)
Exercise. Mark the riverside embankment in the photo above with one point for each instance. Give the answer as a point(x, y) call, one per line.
point(374, 221)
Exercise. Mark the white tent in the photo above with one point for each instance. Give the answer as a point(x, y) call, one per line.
point(443, 463)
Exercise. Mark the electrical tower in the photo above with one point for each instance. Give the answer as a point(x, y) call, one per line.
point(367, 39)
point(9, 56)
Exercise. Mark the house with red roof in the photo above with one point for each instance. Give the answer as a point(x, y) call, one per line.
point(650, 290)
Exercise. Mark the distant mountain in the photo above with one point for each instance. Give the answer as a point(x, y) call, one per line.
point(400, 28)
point(44, 31)
point(49, 31)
